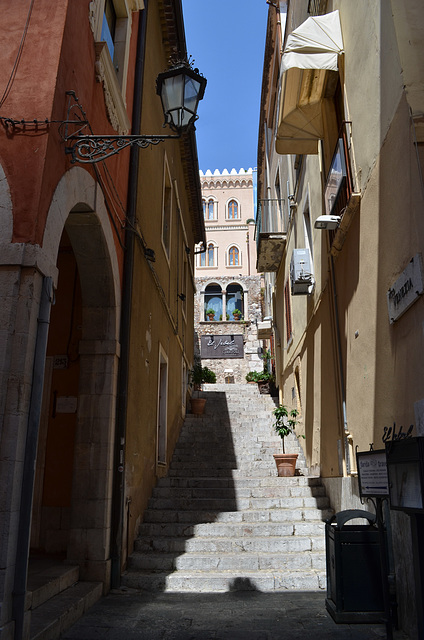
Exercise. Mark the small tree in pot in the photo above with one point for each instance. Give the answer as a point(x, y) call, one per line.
point(199, 375)
point(285, 423)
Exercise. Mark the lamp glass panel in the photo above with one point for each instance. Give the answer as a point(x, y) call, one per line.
point(172, 95)
point(191, 98)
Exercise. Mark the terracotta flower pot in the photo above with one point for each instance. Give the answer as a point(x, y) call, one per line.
point(197, 405)
point(286, 464)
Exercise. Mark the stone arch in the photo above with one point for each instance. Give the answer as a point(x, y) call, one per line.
point(78, 208)
point(6, 213)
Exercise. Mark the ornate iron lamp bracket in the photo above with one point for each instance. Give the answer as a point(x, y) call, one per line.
point(91, 148)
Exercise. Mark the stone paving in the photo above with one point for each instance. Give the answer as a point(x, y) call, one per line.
point(237, 615)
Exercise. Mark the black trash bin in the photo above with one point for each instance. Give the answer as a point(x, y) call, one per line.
point(354, 574)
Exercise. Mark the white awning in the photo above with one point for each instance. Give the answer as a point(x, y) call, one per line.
point(316, 44)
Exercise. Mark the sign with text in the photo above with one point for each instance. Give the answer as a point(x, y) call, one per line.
point(372, 473)
point(406, 290)
point(230, 346)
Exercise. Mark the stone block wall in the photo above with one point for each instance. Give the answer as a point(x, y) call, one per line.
point(247, 327)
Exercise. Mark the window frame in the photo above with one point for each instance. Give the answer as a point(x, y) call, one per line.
point(227, 210)
point(239, 256)
point(114, 79)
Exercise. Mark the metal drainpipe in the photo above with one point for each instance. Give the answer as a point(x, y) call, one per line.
point(122, 400)
point(342, 380)
point(25, 509)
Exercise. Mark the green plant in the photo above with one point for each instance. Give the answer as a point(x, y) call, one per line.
point(208, 375)
point(236, 312)
point(210, 312)
point(227, 316)
point(259, 376)
point(285, 421)
point(199, 375)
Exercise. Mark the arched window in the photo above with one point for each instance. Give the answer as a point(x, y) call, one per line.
point(211, 255)
point(209, 209)
point(211, 206)
point(234, 301)
point(233, 210)
point(233, 257)
point(213, 300)
point(208, 258)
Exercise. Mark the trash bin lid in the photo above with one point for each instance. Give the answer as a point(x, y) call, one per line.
point(350, 514)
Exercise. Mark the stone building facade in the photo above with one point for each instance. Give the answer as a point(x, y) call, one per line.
point(227, 282)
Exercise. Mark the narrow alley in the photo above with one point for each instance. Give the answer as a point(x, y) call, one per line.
point(227, 549)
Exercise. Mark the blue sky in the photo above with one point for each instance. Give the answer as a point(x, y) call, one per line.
point(226, 38)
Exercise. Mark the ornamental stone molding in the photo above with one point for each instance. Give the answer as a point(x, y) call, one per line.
point(115, 106)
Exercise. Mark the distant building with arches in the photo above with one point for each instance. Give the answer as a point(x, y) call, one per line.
point(228, 288)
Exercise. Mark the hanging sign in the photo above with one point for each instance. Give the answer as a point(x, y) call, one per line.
point(230, 346)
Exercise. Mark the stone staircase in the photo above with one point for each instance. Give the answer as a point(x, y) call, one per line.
point(222, 519)
point(55, 597)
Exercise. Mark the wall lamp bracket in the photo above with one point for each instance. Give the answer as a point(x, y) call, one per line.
point(91, 149)
point(180, 89)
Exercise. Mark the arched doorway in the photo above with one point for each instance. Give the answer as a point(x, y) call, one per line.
point(73, 491)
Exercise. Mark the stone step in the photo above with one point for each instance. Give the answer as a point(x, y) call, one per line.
point(207, 582)
point(231, 529)
point(159, 562)
point(204, 544)
point(259, 515)
point(46, 579)
point(241, 504)
point(222, 519)
point(52, 618)
point(252, 471)
point(237, 491)
point(246, 481)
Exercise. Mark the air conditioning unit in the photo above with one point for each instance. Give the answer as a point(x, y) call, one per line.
point(301, 277)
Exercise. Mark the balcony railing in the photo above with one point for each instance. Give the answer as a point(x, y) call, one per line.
point(271, 232)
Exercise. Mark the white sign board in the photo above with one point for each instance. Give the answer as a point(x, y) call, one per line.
point(406, 290)
point(372, 473)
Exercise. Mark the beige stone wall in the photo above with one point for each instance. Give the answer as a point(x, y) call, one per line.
point(247, 327)
point(349, 369)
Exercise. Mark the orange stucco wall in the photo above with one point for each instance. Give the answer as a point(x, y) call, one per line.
point(58, 55)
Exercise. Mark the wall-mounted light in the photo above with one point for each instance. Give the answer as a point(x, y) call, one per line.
point(180, 89)
point(327, 222)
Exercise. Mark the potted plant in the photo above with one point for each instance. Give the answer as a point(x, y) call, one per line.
point(199, 375)
point(251, 377)
point(226, 315)
point(210, 313)
point(237, 314)
point(264, 380)
point(285, 423)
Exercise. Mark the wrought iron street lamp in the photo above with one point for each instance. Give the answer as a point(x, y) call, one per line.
point(180, 89)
